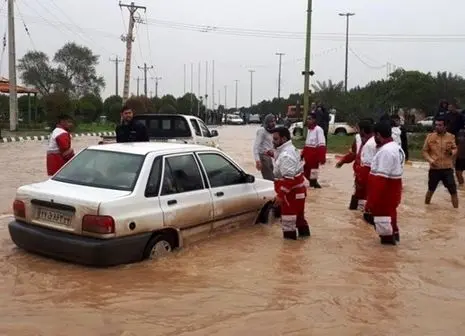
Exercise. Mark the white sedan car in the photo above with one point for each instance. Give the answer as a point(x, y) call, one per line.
point(121, 203)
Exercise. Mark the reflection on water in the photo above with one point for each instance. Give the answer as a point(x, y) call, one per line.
point(250, 282)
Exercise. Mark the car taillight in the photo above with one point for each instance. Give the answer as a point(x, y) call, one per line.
point(98, 224)
point(19, 209)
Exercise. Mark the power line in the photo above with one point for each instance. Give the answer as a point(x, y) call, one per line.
point(25, 27)
point(365, 63)
point(410, 38)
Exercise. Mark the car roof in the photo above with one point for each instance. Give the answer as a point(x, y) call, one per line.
point(143, 148)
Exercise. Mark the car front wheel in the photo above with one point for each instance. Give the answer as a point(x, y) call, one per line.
point(158, 246)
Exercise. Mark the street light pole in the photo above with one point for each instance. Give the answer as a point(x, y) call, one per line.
point(307, 73)
point(279, 72)
point(346, 74)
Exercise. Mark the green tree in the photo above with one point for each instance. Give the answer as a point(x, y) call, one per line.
point(74, 71)
point(90, 107)
point(36, 70)
point(111, 105)
point(55, 104)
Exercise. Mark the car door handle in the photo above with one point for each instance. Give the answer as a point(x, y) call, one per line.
point(172, 202)
point(219, 193)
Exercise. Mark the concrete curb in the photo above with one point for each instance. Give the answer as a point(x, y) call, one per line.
point(45, 137)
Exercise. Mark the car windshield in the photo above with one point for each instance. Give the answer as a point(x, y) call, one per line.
point(102, 169)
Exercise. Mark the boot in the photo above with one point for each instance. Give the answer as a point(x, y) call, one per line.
point(388, 240)
point(428, 197)
point(291, 235)
point(368, 217)
point(397, 237)
point(353, 205)
point(304, 231)
point(314, 184)
point(455, 201)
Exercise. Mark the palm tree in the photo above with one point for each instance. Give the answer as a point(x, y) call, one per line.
point(328, 86)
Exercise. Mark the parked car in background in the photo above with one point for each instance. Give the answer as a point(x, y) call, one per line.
point(174, 128)
point(121, 203)
point(254, 119)
point(335, 128)
point(233, 119)
point(427, 122)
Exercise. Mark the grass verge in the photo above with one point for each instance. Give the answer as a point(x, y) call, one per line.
point(341, 144)
point(80, 128)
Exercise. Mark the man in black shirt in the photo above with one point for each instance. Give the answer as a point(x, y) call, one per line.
point(130, 130)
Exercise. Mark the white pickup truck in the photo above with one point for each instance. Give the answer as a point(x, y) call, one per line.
point(335, 128)
point(174, 128)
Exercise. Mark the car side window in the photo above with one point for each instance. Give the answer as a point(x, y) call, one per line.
point(196, 127)
point(153, 183)
point(220, 171)
point(181, 175)
point(205, 130)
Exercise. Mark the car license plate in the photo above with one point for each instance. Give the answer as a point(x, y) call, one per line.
point(54, 217)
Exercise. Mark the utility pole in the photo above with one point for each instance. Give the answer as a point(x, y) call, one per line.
point(213, 85)
point(117, 62)
point(145, 68)
point(346, 74)
point(198, 79)
point(206, 87)
point(129, 38)
point(225, 96)
point(192, 87)
point(138, 86)
point(156, 79)
point(307, 73)
point(279, 73)
point(251, 87)
point(237, 84)
point(185, 70)
point(12, 87)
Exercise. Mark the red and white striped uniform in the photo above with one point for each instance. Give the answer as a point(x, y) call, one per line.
point(59, 150)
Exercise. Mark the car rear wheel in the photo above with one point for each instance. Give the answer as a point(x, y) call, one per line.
point(340, 132)
point(158, 246)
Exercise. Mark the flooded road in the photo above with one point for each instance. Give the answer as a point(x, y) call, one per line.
point(250, 282)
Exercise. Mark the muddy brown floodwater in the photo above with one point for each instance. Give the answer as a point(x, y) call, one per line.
point(250, 282)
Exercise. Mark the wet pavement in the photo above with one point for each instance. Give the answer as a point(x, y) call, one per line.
point(250, 282)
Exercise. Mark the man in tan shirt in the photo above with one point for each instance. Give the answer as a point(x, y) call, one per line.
point(440, 150)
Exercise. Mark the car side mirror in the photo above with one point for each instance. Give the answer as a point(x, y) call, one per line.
point(249, 178)
point(213, 133)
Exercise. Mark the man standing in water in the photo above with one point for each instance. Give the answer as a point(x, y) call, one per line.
point(362, 153)
point(289, 185)
point(385, 184)
point(59, 150)
point(314, 152)
point(263, 148)
point(439, 150)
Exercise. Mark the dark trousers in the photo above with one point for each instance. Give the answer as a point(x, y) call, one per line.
point(446, 176)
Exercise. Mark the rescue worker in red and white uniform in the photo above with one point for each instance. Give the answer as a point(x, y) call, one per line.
point(59, 150)
point(314, 152)
point(385, 184)
point(362, 153)
point(289, 185)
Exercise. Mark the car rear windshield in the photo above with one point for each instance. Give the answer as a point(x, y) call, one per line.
point(163, 126)
point(102, 169)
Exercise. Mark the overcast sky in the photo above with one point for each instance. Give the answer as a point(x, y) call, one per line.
point(402, 33)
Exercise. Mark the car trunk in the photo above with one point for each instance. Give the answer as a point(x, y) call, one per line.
point(61, 206)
